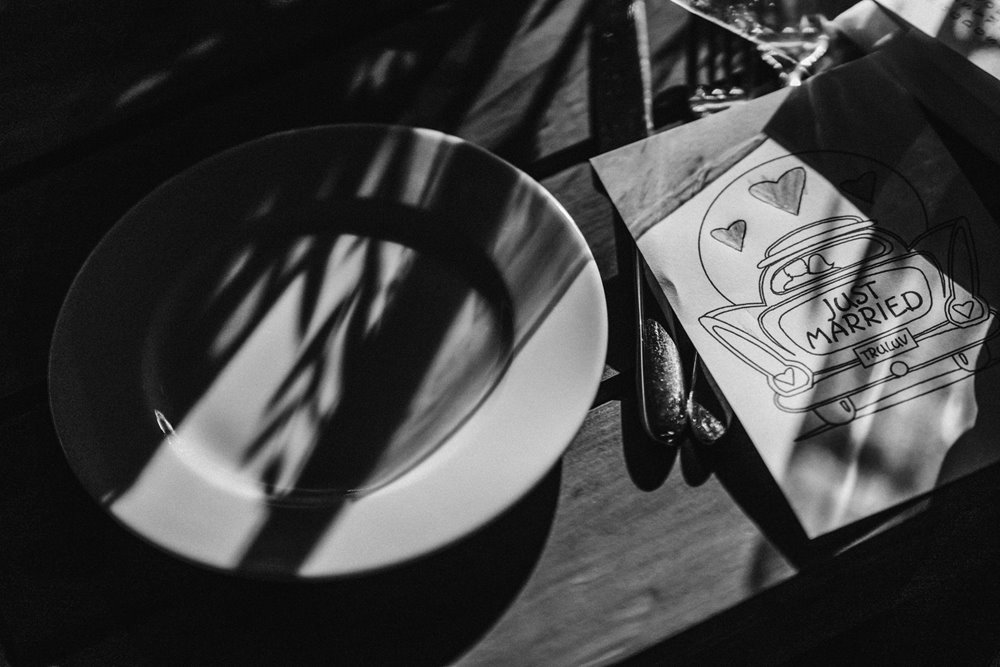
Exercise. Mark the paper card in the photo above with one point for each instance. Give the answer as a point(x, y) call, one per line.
point(831, 264)
point(970, 27)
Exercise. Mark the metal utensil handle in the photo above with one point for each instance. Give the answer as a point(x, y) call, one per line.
point(659, 371)
point(623, 114)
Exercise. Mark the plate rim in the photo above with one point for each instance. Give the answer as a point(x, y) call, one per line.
point(586, 284)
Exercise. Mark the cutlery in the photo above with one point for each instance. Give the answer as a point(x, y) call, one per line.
point(668, 405)
point(622, 114)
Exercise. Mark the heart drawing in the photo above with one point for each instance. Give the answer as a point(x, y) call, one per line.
point(966, 310)
point(788, 378)
point(732, 235)
point(862, 187)
point(784, 193)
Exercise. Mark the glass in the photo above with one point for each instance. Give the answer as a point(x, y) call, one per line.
point(790, 34)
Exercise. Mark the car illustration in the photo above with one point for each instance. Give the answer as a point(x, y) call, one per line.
point(852, 320)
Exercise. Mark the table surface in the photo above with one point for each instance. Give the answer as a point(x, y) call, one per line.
point(624, 550)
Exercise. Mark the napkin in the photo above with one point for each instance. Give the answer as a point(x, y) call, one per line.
point(830, 262)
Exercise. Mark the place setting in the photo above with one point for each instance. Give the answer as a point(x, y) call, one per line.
point(336, 349)
point(570, 333)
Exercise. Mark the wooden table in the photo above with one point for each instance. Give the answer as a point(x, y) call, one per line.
point(625, 550)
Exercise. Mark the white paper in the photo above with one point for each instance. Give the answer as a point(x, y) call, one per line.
point(824, 325)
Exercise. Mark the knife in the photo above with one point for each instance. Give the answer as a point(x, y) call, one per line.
point(621, 113)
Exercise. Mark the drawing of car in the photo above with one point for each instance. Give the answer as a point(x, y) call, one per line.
point(852, 320)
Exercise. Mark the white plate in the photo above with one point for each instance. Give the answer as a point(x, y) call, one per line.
point(328, 351)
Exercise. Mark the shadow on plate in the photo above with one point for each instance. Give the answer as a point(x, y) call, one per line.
point(426, 612)
point(82, 590)
point(290, 327)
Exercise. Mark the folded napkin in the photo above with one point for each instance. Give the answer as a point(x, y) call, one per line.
point(829, 260)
